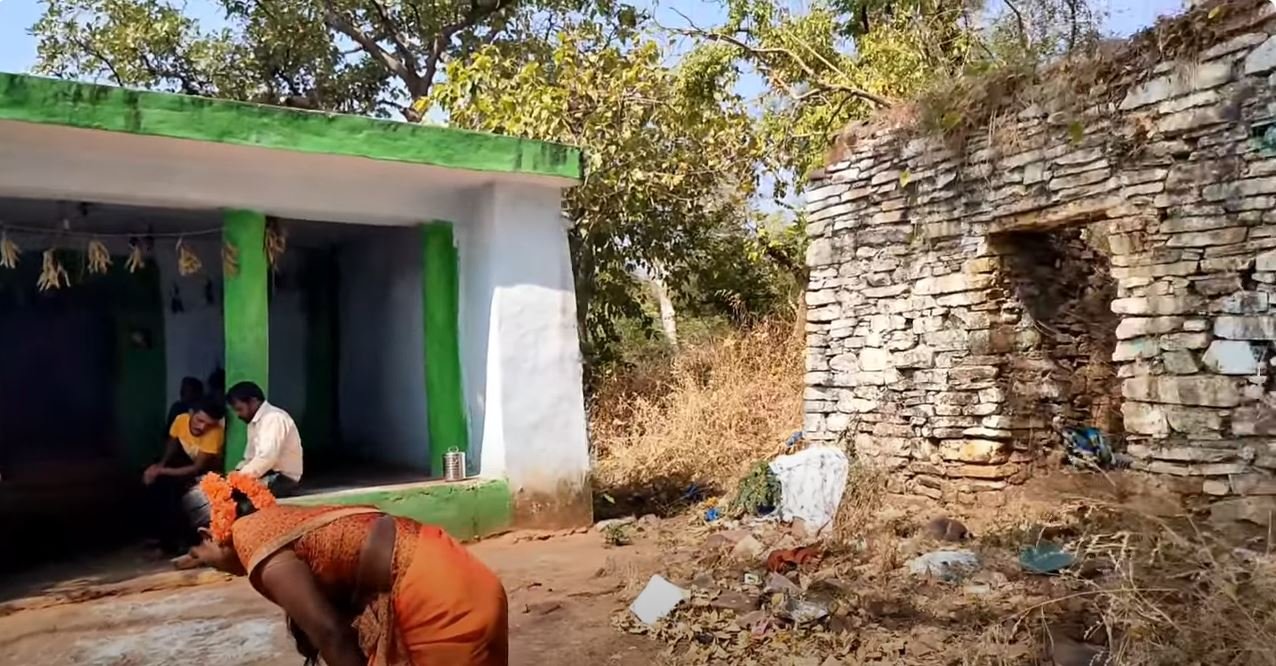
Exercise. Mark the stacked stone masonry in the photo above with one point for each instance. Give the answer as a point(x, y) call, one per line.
point(964, 303)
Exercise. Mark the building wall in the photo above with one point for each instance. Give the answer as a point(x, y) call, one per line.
point(382, 365)
point(194, 338)
point(920, 341)
point(521, 354)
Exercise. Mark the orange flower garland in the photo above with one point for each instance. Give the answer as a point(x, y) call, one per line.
point(221, 499)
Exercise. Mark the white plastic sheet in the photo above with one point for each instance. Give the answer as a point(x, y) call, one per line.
point(811, 485)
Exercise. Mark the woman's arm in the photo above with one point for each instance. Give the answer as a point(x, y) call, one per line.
point(288, 581)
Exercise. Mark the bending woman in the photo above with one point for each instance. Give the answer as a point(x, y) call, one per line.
point(359, 587)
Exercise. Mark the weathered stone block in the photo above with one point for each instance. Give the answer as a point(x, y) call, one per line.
point(1232, 357)
point(1242, 302)
point(1262, 59)
point(1204, 391)
point(1145, 419)
point(1184, 341)
point(1209, 238)
point(1129, 350)
point(975, 451)
point(1157, 305)
point(1131, 327)
point(1246, 328)
point(1254, 420)
point(948, 284)
point(1179, 362)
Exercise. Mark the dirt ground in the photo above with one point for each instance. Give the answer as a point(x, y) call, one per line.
point(1147, 583)
point(562, 593)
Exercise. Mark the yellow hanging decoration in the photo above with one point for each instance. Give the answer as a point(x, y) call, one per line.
point(9, 252)
point(187, 262)
point(276, 244)
point(99, 257)
point(136, 260)
point(230, 260)
point(52, 274)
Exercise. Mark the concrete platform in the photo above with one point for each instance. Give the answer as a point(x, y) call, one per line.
point(469, 509)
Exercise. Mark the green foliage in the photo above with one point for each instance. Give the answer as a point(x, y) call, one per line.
point(353, 56)
point(671, 154)
point(759, 490)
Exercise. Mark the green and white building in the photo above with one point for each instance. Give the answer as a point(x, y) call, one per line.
point(424, 300)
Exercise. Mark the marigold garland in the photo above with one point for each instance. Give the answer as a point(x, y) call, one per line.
point(221, 499)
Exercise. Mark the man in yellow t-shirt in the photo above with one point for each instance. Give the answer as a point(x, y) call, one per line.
point(194, 447)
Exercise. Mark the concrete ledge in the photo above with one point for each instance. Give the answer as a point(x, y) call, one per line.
point(467, 510)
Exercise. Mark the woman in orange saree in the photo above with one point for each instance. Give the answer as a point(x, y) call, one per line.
point(358, 586)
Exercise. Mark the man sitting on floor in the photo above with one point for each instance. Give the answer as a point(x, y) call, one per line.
point(192, 392)
point(273, 453)
point(194, 447)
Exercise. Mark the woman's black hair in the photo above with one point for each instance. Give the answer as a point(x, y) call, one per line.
point(199, 511)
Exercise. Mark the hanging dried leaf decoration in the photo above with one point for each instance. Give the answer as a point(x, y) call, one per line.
point(9, 252)
point(52, 274)
point(230, 260)
point(187, 262)
point(276, 243)
point(136, 260)
point(99, 257)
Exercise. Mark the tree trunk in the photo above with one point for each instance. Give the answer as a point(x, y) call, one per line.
point(668, 315)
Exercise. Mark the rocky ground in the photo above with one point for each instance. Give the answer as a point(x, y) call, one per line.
point(1143, 587)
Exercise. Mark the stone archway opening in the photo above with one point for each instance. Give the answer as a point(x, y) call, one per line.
point(1059, 288)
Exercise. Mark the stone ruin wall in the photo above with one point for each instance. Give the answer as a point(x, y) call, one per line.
point(965, 303)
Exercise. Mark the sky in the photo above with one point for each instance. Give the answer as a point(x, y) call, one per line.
point(18, 49)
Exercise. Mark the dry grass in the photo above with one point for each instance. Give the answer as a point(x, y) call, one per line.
point(703, 417)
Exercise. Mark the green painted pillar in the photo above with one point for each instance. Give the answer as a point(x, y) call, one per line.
point(245, 316)
point(444, 397)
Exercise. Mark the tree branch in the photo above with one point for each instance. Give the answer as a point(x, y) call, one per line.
point(110, 66)
point(334, 20)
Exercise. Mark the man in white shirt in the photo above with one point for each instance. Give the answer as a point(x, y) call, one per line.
point(273, 453)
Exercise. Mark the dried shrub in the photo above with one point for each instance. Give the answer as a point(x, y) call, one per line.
point(715, 409)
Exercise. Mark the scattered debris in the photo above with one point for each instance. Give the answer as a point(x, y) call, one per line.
point(748, 549)
point(711, 515)
point(949, 566)
point(946, 529)
point(724, 539)
point(1046, 558)
point(604, 525)
point(802, 611)
point(657, 600)
point(737, 602)
point(779, 584)
point(1088, 447)
point(1066, 651)
point(542, 607)
point(811, 485)
point(790, 559)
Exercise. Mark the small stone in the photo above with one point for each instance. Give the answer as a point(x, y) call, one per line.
point(1216, 487)
point(1231, 357)
point(1254, 420)
point(953, 283)
point(974, 451)
point(1242, 302)
point(1256, 510)
point(748, 549)
point(946, 529)
point(604, 525)
point(1156, 305)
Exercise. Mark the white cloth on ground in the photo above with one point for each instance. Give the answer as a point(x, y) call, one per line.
point(811, 485)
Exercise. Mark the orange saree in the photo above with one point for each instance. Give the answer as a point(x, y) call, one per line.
point(444, 607)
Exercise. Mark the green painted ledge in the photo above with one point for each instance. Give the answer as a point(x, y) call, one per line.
point(467, 510)
point(46, 101)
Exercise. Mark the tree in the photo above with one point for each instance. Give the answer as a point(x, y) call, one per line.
point(671, 153)
point(375, 57)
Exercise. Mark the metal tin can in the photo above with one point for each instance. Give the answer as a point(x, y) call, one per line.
point(454, 465)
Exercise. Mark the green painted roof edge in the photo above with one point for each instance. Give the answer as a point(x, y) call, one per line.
point(35, 99)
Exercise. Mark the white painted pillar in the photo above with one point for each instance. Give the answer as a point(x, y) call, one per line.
point(521, 354)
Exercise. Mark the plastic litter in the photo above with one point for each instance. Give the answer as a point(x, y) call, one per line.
point(1045, 558)
point(811, 485)
point(947, 565)
point(657, 600)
